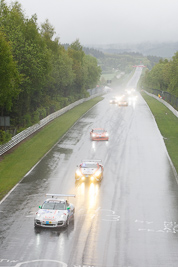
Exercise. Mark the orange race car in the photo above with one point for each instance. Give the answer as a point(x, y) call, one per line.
point(99, 134)
point(123, 101)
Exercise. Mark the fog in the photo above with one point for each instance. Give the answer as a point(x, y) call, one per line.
point(107, 21)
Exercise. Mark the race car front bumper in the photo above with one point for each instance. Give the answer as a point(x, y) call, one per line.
point(49, 224)
point(89, 177)
point(98, 138)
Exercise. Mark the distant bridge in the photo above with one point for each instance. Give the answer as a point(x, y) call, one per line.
point(140, 66)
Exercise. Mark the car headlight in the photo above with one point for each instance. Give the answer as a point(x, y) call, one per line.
point(97, 173)
point(107, 134)
point(78, 173)
point(38, 216)
point(93, 135)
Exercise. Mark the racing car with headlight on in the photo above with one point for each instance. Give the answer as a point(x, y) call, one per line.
point(55, 212)
point(99, 134)
point(89, 170)
point(123, 101)
point(113, 100)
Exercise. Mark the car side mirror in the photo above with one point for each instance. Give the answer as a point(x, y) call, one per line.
point(68, 208)
point(40, 207)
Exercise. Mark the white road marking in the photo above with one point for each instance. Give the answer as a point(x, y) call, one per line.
point(9, 193)
point(31, 214)
point(168, 227)
point(96, 211)
point(45, 260)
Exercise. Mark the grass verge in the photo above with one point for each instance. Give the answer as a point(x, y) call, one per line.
point(15, 165)
point(168, 125)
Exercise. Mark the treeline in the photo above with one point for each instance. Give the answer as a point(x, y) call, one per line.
point(89, 51)
point(124, 62)
point(37, 74)
point(163, 76)
point(121, 61)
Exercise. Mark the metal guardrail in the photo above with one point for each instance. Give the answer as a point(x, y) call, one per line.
point(174, 111)
point(32, 129)
point(171, 99)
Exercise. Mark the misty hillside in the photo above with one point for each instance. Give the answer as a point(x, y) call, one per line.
point(165, 50)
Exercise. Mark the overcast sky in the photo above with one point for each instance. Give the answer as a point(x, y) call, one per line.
point(107, 21)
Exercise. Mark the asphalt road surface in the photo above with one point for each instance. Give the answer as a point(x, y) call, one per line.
point(130, 219)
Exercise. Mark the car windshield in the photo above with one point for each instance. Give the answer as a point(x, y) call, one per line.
point(98, 131)
point(51, 205)
point(89, 165)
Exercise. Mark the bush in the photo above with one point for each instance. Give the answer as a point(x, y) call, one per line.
point(71, 99)
point(27, 120)
point(5, 136)
point(42, 113)
point(36, 116)
point(64, 102)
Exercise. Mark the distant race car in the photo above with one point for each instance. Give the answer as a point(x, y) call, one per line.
point(99, 134)
point(123, 102)
point(89, 170)
point(55, 212)
point(113, 100)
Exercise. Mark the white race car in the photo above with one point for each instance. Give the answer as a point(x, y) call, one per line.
point(89, 170)
point(55, 212)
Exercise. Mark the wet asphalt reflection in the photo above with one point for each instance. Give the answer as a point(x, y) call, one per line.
point(129, 219)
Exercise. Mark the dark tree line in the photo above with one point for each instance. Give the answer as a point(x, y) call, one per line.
point(37, 74)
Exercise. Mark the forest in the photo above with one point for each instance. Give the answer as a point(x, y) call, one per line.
point(37, 74)
point(163, 76)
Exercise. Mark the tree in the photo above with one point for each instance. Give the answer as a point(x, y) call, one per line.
point(30, 52)
point(9, 76)
point(76, 53)
point(173, 86)
point(158, 77)
point(61, 73)
point(93, 71)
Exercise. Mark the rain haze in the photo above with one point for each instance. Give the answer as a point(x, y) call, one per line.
point(107, 21)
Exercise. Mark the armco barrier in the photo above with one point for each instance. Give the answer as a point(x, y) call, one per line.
point(30, 130)
point(168, 97)
point(164, 102)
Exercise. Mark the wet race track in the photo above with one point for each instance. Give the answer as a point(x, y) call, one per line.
point(130, 219)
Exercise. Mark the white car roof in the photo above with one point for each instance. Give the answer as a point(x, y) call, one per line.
point(92, 161)
point(55, 200)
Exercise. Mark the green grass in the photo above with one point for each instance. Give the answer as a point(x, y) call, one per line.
point(168, 125)
point(108, 76)
point(16, 164)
